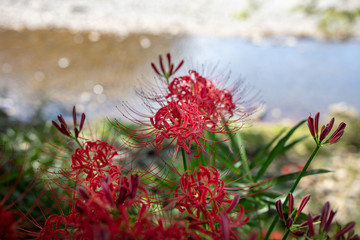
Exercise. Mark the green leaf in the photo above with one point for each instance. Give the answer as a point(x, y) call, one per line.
point(277, 150)
point(293, 176)
point(293, 143)
point(262, 154)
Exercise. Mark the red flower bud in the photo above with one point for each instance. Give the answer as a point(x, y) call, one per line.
point(346, 229)
point(289, 222)
point(303, 203)
point(291, 203)
point(134, 183)
point(313, 125)
point(311, 231)
point(338, 133)
point(324, 215)
point(74, 116)
point(83, 193)
point(280, 209)
point(329, 221)
point(299, 233)
point(166, 73)
point(107, 193)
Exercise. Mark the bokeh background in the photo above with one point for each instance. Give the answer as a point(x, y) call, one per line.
point(303, 56)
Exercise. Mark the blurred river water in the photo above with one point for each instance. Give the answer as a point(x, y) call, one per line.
point(56, 69)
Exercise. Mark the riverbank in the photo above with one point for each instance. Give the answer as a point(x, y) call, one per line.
point(251, 19)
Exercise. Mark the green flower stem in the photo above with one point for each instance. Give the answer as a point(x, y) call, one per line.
point(302, 173)
point(185, 163)
point(286, 234)
point(238, 145)
point(304, 168)
point(244, 157)
point(78, 142)
point(167, 78)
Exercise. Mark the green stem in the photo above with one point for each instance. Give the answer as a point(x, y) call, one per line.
point(185, 163)
point(302, 173)
point(167, 78)
point(78, 142)
point(244, 157)
point(304, 168)
point(286, 234)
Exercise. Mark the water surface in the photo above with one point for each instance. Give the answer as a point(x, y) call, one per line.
point(59, 69)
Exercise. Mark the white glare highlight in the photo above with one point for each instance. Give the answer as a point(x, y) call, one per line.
point(98, 89)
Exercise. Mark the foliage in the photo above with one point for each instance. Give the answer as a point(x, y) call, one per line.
point(333, 22)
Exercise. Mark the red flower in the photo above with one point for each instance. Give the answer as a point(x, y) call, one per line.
point(201, 189)
point(118, 206)
point(189, 105)
point(178, 121)
point(93, 158)
point(205, 197)
point(215, 104)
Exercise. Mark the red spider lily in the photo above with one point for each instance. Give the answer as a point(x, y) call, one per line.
point(192, 105)
point(205, 197)
point(93, 158)
point(93, 219)
point(217, 103)
point(99, 214)
point(171, 69)
point(178, 121)
point(319, 138)
point(57, 227)
point(214, 104)
point(63, 127)
point(201, 189)
point(290, 220)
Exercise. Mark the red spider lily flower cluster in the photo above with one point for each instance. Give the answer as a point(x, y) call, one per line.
point(178, 121)
point(201, 189)
point(205, 198)
point(214, 103)
point(320, 138)
point(110, 197)
point(107, 204)
point(191, 106)
point(92, 158)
